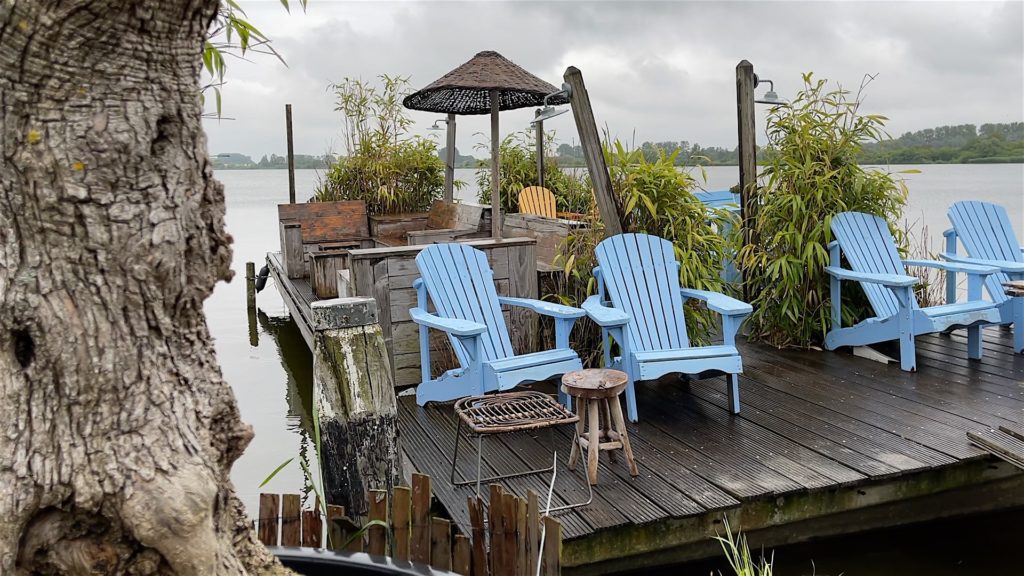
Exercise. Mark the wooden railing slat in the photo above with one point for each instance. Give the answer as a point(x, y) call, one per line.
point(551, 565)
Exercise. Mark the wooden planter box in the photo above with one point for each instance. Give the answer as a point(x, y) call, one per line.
point(392, 229)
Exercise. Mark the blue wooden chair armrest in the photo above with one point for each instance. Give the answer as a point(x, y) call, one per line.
point(889, 280)
point(951, 266)
point(454, 326)
point(542, 307)
point(994, 265)
point(724, 305)
point(604, 316)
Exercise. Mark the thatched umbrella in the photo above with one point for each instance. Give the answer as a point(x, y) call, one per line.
point(489, 82)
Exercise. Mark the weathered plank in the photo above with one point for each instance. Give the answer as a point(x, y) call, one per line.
point(268, 519)
point(440, 544)
point(419, 546)
point(378, 535)
point(461, 555)
point(312, 528)
point(401, 509)
point(291, 522)
point(327, 221)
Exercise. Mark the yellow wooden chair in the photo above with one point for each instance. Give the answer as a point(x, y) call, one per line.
point(538, 201)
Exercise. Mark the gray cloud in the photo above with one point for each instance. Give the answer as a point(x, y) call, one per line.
point(665, 70)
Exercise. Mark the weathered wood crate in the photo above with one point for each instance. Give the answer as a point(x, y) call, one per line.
point(387, 274)
point(507, 543)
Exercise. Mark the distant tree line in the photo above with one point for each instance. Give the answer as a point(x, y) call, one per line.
point(688, 154)
point(235, 161)
point(963, 144)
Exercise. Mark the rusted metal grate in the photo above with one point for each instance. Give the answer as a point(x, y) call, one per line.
point(512, 411)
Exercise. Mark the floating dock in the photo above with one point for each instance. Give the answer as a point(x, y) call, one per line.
point(827, 443)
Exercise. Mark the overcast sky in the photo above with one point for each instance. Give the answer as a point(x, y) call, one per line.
point(663, 70)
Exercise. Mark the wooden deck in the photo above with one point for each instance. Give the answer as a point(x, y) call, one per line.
point(820, 434)
point(826, 443)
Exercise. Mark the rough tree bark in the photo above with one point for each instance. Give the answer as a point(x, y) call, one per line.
point(117, 430)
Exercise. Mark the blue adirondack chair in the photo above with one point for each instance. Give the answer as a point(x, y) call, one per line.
point(460, 284)
point(869, 248)
point(639, 303)
point(986, 233)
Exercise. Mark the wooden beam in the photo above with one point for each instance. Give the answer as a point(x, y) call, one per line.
point(745, 84)
point(590, 140)
point(449, 168)
point(291, 153)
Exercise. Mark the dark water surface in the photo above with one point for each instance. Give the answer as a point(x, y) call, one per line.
point(272, 377)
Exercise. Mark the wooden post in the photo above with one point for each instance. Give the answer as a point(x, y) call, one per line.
point(590, 140)
point(745, 84)
point(449, 168)
point(250, 303)
point(354, 397)
point(291, 250)
point(539, 127)
point(495, 169)
point(291, 153)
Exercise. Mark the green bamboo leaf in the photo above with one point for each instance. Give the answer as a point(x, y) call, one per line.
point(274, 473)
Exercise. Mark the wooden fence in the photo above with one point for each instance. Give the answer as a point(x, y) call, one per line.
point(506, 543)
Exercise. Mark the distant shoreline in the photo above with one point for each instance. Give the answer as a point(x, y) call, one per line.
point(689, 166)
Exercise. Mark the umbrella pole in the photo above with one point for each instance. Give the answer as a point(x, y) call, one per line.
point(495, 189)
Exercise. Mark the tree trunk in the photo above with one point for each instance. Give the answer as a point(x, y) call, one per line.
point(119, 431)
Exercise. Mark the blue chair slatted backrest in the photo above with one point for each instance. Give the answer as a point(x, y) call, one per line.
point(986, 233)
point(867, 243)
point(642, 279)
point(460, 284)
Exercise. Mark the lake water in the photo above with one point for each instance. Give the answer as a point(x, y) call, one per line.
point(272, 379)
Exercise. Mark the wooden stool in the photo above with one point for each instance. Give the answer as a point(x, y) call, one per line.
point(597, 392)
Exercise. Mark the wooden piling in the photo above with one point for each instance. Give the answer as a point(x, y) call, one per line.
point(590, 141)
point(250, 303)
point(355, 400)
point(291, 153)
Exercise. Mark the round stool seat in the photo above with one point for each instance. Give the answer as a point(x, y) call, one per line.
point(594, 383)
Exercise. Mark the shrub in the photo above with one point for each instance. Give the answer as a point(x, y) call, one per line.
point(656, 198)
point(811, 174)
point(518, 169)
point(389, 170)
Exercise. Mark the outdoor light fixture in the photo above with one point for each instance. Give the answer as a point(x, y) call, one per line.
point(437, 128)
point(770, 97)
point(549, 111)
